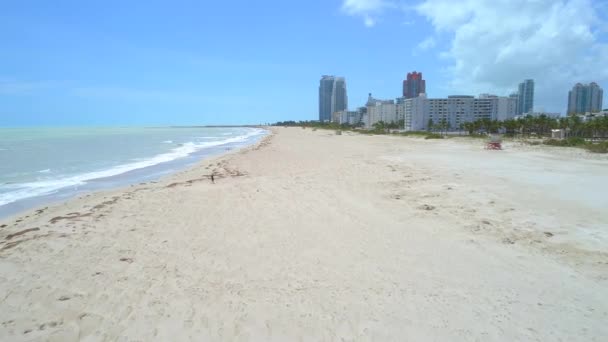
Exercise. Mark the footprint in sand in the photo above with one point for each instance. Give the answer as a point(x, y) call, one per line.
point(88, 322)
point(426, 207)
point(508, 241)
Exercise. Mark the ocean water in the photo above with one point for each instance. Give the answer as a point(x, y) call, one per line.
point(39, 165)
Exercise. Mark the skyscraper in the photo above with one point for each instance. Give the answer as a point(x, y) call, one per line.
point(332, 96)
point(413, 85)
point(340, 98)
point(525, 97)
point(585, 98)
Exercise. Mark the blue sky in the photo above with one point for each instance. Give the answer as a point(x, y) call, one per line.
point(230, 62)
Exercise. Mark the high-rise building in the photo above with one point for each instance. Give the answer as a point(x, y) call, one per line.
point(585, 98)
point(340, 99)
point(414, 85)
point(326, 89)
point(332, 96)
point(525, 97)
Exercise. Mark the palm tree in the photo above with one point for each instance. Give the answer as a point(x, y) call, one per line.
point(379, 126)
point(510, 126)
point(443, 125)
point(603, 126)
point(575, 125)
point(468, 126)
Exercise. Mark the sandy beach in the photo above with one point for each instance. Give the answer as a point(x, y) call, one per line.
point(311, 236)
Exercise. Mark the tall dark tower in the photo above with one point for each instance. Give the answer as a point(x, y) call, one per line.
point(413, 85)
point(332, 96)
point(326, 91)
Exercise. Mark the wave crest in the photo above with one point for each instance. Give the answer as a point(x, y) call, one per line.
point(18, 191)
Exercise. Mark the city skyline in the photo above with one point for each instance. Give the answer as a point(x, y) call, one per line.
point(420, 112)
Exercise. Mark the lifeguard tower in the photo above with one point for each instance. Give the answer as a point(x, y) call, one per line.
point(494, 142)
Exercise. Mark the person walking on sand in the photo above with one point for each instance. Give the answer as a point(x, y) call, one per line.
point(212, 179)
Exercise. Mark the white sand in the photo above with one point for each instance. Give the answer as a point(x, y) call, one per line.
point(313, 236)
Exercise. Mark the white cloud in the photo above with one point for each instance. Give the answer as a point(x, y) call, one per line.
point(426, 44)
point(363, 6)
point(369, 10)
point(495, 44)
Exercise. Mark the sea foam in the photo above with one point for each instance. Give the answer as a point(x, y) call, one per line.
point(17, 191)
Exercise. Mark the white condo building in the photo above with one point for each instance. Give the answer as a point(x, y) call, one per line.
point(418, 112)
point(456, 110)
point(347, 117)
point(379, 110)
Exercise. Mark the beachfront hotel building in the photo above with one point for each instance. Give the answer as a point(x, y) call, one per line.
point(413, 85)
point(332, 97)
point(348, 117)
point(418, 112)
point(379, 110)
point(585, 98)
point(455, 110)
point(502, 107)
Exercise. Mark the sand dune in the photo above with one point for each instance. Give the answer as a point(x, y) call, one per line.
point(311, 236)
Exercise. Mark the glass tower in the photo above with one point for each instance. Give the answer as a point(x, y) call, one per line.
point(525, 97)
point(585, 98)
point(332, 96)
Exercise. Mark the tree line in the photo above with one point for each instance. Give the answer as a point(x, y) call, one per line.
point(527, 126)
point(536, 125)
point(316, 124)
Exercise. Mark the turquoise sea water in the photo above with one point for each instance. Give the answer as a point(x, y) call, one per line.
point(42, 161)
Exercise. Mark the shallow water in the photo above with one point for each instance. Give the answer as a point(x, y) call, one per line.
point(41, 164)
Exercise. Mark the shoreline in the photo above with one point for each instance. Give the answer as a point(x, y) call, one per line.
point(124, 179)
point(314, 236)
